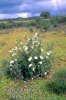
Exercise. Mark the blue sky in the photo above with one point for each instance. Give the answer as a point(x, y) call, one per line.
point(29, 8)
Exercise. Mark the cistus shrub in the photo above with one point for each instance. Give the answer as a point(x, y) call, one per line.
point(28, 60)
point(58, 83)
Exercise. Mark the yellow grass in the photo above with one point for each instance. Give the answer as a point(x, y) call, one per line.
point(9, 40)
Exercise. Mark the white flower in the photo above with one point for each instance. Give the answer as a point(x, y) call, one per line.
point(28, 40)
point(33, 42)
point(41, 57)
point(14, 54)
point(21, 43)
point(48, 53)
point(33, 69)
point(15, 59)
point(40, 62)
point(12, 61)
point(30, 65)
point(45, 73)
point(35, 35)
point(10, 65)
point(32, 78)
point(25, 48)
point(30, 59)
point(12, 49)
point(35, 57)
point(41, 50)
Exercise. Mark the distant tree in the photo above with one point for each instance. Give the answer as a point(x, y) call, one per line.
point(45, 14)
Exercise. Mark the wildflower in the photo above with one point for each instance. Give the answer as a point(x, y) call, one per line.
point(33, 42)
point(41, 50)
point(41, 57)
point(32, 78)
point(10, 65)
point(26, 48)
point(30, 65)
point(35, 35)
point(12, 61)
point(33, 69)
point(35, 57)
point(14, 54)
point(48, 53)
point(28, 39)
point(30, 59)
point(21, 43)
point(12, 49)
point(40, 62)
point(45, 73)
point(15, 59)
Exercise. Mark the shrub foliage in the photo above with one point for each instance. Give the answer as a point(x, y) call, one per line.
point(58, 83)
point(28, 60)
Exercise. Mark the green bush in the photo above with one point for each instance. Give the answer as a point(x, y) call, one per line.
point(46, 24)
point(45, 14)
point(31, 29)
point(28, 60)
point(54, 21)
point(58, 83)
point(42, 23)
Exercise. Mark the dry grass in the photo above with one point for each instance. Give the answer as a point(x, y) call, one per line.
point(56, 38)
point(7, 41)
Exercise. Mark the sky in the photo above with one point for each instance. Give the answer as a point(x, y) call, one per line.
point(28, 8)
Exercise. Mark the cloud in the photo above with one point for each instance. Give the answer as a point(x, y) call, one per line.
point(27, 8)
point(16, 15)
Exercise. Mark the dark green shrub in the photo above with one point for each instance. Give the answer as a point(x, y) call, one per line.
point(58, 83)
point(45, 14)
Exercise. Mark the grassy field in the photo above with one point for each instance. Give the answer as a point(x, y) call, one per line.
point(33, 89)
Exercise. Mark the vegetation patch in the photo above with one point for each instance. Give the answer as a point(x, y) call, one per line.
point(58, 83)
point(28, 60)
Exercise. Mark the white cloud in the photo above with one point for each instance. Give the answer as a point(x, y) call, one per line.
point(56, 3)
point(23, 15)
